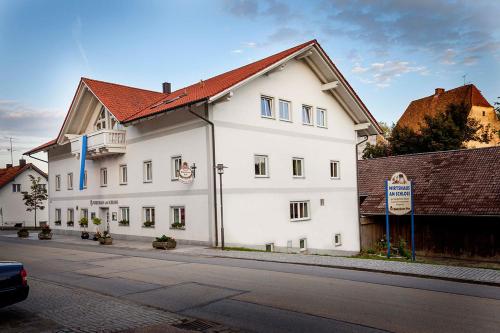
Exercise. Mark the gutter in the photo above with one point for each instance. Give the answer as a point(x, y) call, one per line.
point(214, 175)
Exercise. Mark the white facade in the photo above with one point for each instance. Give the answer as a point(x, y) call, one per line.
point(12, 207)
point(307, 204)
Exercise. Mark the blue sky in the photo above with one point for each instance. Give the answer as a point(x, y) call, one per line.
point(391, 51)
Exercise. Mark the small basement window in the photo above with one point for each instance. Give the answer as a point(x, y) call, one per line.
point(338, 239)
point(270, 247)
point(303, 244)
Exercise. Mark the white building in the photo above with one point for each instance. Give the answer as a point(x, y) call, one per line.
point(286, 127)
point(13, 181)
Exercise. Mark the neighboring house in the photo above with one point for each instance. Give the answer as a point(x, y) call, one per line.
point(432, 105)
point(457, 202)
point(13, 181)
point(285, 126)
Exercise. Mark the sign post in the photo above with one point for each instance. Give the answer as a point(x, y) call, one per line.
point(399, 201)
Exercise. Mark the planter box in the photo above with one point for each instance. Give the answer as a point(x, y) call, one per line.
point(105, 241)
point(23, 234)
point(57, 223)
point(165, 245)
point(42, 236)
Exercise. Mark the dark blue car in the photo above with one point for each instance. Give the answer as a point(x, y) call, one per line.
point(13, 283)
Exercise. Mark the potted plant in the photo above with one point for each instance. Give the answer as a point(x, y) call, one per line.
point(23, 233)
point(148, 224)
point(57, 222)
point(124, 223)
point(177, 225)
point(84, 222)
point(85, 235)
point(97, 235)
point(96, 221)
point(45, 234)
point(70, 223)
point(106, 239)
point(164, 242)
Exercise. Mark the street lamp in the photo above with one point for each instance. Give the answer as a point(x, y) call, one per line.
point(220, 170)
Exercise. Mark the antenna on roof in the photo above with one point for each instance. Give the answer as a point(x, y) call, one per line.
point(464, 76)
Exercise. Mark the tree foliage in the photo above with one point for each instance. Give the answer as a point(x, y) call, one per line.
point(449, 130)
point(34, 199)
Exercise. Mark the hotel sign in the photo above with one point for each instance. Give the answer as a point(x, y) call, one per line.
point(399, 194)
point(103, 202)
point(186, 174)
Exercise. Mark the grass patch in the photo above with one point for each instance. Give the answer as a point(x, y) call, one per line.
point(243, 249)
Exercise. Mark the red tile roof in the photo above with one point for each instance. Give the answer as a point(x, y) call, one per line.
point(9, 174)
point(432, 105)
point(41, 147)
point(128, 104)
point(459, 182)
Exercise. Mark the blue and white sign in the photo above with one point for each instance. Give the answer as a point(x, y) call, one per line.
point(399, 194)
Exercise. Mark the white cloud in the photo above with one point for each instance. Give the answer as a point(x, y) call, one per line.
point(382, 74)
point(237, 51)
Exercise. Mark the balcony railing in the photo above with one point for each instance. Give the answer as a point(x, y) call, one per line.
point(101, 143)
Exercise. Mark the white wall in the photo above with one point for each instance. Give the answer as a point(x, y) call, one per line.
point(12, 204)
point(256, 210)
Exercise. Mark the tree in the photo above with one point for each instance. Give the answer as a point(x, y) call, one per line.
point(37, 195)
point(497, 108)
point(380, 149)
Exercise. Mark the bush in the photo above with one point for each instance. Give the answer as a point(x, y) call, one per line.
point(164, 238)
point(83, 222)
point(46, 230)
point(124, 222)
point(96, 221)
point(177, 225)
point(105, 234)
point(403, 249)
point(23, 232)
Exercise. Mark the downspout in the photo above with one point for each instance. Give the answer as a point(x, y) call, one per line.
point(213, 165)
point(357, 188)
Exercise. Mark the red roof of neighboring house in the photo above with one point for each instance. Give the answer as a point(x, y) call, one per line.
point(458, 182)
point(9, 174)
point(128, 104)
point(435, 104)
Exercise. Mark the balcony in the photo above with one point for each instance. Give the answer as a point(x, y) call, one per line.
point(100, 144)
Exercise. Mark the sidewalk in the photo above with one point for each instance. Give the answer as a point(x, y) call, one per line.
point(451, 273)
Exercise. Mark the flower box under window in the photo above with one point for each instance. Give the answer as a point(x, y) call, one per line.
point(70, 223)
point(57, 222)
point(124, 223)
point(148, 224)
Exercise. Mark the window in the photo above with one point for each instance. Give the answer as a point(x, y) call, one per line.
point(42, 187)
point(16, 187)
point(58, 215)
point(84, 213)
point(123, 174)
point(270, 247)
point(149, 214)
point(338, 239)
point(306, 115)
point(285, 110)
point(261, 166)
point(147, 172)
point(70, 215)
point(178, 216)
point(176, 166)
point(320, 117)
point(334, 169)
point(92, 215)
point(58, 182)
point(104, 177)
point(70, 181)
point(100, 123)
point(85, 179)
point(321, 202)
point(298, 167)
point(124, 214)
point(266, 107)
point(484, 113)
point(299, 210)
point(303, 244)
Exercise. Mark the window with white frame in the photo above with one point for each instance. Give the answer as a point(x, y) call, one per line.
point(42, 187)
point(307, 115)
point(85, 179)
point(303, 244)
point(285, 109)
point(266, 107)
point(70, 181)
point(123, 174)
point(70, 215)
point(149, 214)
point(178, 216)
point(299, 210)
point(334, 169)
point(104, 177)
point(58, 215)
point(147, 171)
point(320, 117)
point(176, 167)
point(261, 163)
point(125, 214)
point(58, 182)
point(298, 167)
point(16, 187)
point(84, 213)
point(101, 120)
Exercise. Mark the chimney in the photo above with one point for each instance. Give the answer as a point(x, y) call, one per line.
point(9, 165)
point(167, 87)
point(22, 162)
point(439, 91)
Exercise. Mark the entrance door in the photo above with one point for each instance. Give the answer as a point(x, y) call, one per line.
point(104, 216)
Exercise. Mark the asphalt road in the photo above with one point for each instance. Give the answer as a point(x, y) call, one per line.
point(261, 296)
